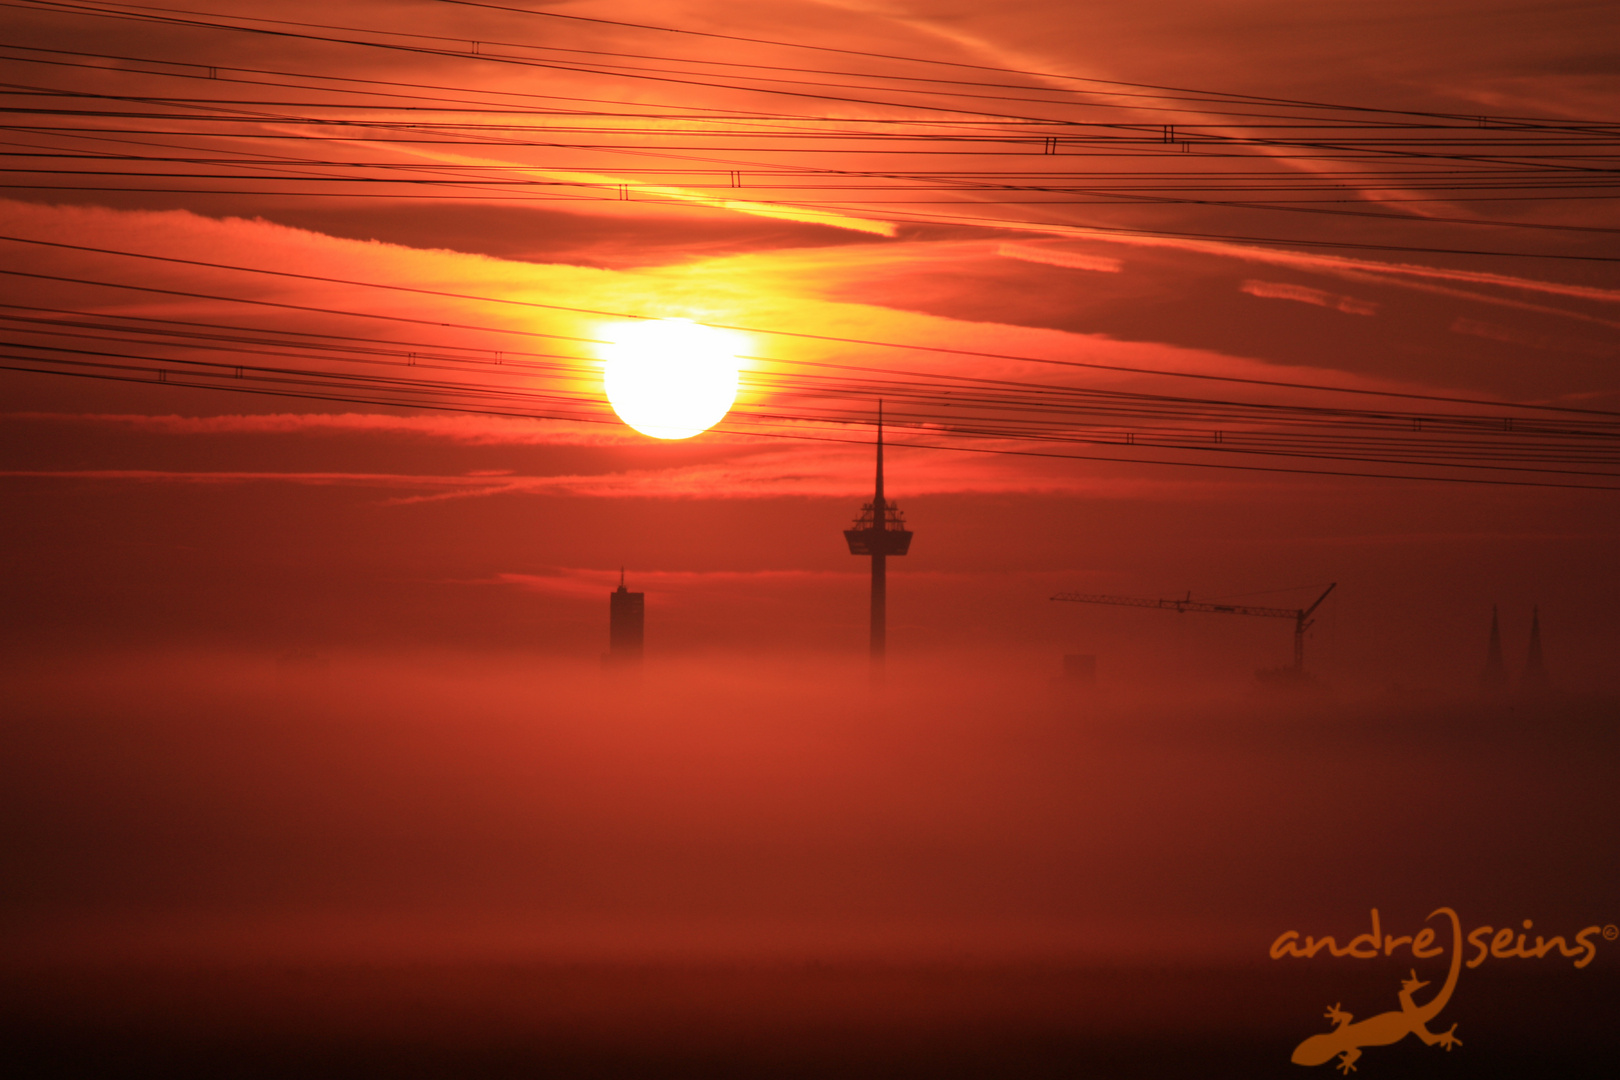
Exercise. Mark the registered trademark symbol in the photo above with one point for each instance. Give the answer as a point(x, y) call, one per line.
point(1611, 932)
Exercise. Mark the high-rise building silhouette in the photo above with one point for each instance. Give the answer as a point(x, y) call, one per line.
point(1535, 672)
point(880, 531)
point(1494, 677)
point(626, 619)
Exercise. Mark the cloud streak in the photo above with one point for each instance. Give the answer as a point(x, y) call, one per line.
point(463, 430)
point(580, 583)
point(1305, 260)
point(812, 471)
point(1276, 290)
point(1073, 260)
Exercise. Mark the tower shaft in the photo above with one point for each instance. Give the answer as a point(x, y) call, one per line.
point(880, 608)
point(880, 560)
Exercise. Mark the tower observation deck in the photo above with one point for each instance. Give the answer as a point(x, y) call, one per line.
point(879, 532)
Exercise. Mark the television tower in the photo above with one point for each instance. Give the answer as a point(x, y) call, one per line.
point(880, 531)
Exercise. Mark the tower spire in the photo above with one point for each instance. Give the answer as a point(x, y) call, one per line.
point(879, 532)
point(1494, 677)
point(877, 498)
point(1535, 671)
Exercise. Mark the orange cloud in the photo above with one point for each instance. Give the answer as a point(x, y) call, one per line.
point(1074, 260)
point(465, 430)
point(1276, 290)
point(591, 583)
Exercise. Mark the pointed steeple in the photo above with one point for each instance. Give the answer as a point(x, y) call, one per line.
point(1494, 677)
point(1535, 672)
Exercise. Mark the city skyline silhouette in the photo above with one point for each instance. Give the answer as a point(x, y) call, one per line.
point(323, 755)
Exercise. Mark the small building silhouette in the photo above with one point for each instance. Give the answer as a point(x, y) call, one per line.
point(626, 620)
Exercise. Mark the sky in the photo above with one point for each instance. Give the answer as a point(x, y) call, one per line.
point(305, 310)
point(300, 523)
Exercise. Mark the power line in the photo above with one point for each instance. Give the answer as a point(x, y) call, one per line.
point(1199, 149)
point(830, 338)
point(953, 406)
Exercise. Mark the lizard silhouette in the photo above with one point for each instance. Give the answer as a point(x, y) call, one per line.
point(1347, 1038)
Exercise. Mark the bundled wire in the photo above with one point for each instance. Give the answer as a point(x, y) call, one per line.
point(1076, 142)
point(914, 141)
point(1452, 437)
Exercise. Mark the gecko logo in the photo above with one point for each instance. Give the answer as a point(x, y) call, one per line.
point(1349, 1037)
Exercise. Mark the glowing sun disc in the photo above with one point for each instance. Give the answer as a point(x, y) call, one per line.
point(670, 378)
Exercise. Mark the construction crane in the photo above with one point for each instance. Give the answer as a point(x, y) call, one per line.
point(1301, 616)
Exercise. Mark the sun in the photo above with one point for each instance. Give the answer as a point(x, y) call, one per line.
point(670, 378)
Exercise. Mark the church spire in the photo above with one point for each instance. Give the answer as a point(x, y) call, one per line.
point(1494, 677)
point(1535, 671)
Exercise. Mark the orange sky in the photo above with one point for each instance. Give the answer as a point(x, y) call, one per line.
point(312, 496)
point(178, 515)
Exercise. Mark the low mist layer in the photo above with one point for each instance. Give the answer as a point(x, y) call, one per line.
point(435, 807)
point(447, 866)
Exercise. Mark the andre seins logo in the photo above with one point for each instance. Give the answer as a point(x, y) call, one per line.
point(1349, 1036)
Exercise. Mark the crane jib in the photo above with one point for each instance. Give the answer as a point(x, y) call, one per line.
point(1301, 616)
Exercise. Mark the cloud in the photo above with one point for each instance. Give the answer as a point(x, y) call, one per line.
point(1276, 290)
point(1311, 261)
point(1496, 332)
point(776, 292)
point(629, 188)
point(591, 583)
point(1074, 260)
point(315, 479)
point(1492, 331)
point(813, 470)
point(464, 430)
point(1475, 296)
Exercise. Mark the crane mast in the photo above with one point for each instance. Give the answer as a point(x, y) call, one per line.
point(1301, 616)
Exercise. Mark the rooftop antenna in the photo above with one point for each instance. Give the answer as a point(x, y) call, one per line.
point(627, 612)
point(880, 531)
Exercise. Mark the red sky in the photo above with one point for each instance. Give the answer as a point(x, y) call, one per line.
point(178, 516)
point(301, 324)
